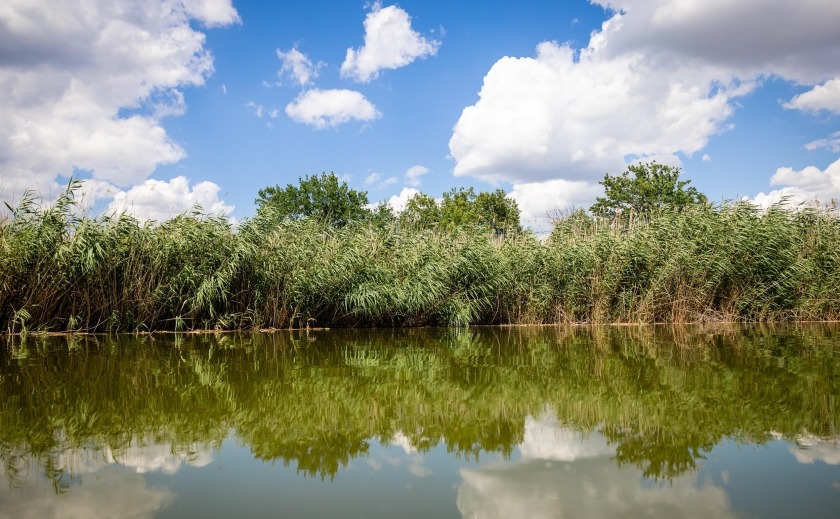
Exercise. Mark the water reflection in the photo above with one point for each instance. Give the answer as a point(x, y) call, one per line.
point(141, 457)
point(575, 475)
point(809, 449)
point(103, 494)
point(602, 421)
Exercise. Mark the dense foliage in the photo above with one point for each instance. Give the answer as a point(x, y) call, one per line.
point(317, 196)
point(62, 272)
point(651, 187)
point(462, 207)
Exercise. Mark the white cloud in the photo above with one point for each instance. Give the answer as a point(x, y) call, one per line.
point(707, 157)
point(559, 116)
point(297, 65)
point(390, 43)
point(398, 202)
point(213, 13)
point(795, 40)
point(538, 200)
point(261, 111)
point(803, 186)
point(371, 179)
point(159, 200)
point(412, 176)
point(330, 108)
point(651, 82)
point(68, 69)
point(821, 97)
point(832, 142)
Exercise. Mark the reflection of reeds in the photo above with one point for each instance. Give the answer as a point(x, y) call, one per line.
point(64, 272)
point(660, 394)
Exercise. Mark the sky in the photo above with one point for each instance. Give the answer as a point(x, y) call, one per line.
point(163, 104)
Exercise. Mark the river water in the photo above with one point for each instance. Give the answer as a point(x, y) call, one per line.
point(713, 421)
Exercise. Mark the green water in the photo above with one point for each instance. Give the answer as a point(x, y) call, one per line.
point(481, 422)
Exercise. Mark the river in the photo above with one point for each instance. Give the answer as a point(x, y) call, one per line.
point(705, 421)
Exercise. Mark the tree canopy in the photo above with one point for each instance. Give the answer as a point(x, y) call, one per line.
point(317, 196)
point(652, 186)
point(463, 206)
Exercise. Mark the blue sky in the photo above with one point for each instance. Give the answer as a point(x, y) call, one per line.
point(161, 105)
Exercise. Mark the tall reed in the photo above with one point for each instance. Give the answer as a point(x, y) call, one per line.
point(60, 271)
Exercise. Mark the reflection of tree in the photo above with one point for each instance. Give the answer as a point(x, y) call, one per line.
point(662, 397)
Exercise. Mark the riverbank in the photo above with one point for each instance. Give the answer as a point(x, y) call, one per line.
point(61, 272)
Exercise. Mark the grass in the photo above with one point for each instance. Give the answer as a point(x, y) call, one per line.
point(60, 271)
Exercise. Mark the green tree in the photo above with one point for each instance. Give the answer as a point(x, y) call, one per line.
point(421, 211)
point(652, 186)
point(498, 211)
point(495, 210)
point(317, 196)
point(463, 206)
point(382, 215)
point(458, 207)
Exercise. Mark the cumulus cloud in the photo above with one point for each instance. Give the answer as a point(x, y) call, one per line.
point(538, 200)
point(795, 40)
point(560, 114)
point(298, 66)
point(330, 108)
point(412, 176)
point(159, 200)
point(212, 13)
point(649, 83)
point(807, 185)
point(821, 97)
point(398, 202)
point(86, 84)
point(390, 43)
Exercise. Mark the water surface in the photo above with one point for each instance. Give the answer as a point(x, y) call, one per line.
point(481, 422)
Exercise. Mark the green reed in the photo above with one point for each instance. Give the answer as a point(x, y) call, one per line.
point(60, 271)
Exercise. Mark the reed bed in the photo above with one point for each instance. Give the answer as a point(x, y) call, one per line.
point(60, 271)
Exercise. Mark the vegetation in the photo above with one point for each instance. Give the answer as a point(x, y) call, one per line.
point(322, 197)
point(653, 187)
point(462, 208)
point(455, 263)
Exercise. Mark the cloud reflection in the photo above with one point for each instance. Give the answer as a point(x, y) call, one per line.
point(809, 448)
point(120, 494)
point(565, 473)
point(96, 482)
point(140, 457)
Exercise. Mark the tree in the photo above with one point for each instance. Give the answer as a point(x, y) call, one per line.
point(421, 211)
point(463, 206)
point(316, 196)
point(653, 186)
point(458, 207)
point(498, 211)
